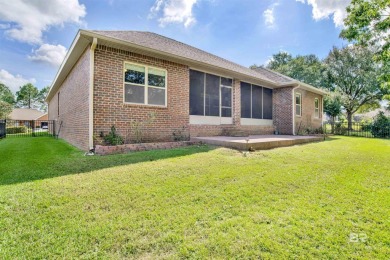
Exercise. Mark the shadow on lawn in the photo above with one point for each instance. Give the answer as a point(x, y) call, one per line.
point(44, 158)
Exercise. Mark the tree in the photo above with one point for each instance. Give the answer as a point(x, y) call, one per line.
point(333, 106)
point(279, 60)
point(27, 96)
point(6, 94)
point(41, 98)
point(5, 109)
point(355, 75)
point(306, 68)
point(368, 24)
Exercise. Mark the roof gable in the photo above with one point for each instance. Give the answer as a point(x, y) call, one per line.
point(160, 45)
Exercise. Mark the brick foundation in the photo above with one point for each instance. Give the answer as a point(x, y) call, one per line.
point(126, 148)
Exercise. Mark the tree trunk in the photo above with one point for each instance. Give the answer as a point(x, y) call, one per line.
point(332, 124)
point(349, 118)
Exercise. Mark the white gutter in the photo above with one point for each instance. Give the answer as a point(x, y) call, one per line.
point(304, 86)
point(90, 97)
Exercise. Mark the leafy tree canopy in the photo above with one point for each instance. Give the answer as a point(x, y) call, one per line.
point(306, 68)
point(355, 74)
point(333, 104)
point(27, 95)
point(5, 109)
point(6, 94)
point(368, 24)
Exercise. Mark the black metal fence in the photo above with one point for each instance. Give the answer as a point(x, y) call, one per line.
point(2, 129)
point(27, 128)
point(358, 129)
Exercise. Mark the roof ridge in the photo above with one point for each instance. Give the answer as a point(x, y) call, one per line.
point(187, 45)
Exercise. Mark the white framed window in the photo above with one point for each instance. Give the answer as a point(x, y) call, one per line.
point(144, 85)
point(298, 104)
point(316, 108)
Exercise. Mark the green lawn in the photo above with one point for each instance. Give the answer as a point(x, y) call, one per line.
point(328, 200)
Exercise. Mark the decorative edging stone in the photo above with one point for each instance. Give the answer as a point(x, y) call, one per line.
point(126, 148)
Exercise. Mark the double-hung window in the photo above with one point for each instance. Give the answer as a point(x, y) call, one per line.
point(316, 108)
point(145, 85)
point(298, 104)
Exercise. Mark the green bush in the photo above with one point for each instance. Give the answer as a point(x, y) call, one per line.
point(340, 129)
point(381, 126)
point(113, 138)
point(16, 130)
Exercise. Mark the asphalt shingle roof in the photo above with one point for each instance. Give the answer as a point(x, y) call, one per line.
point(173, 47)
point(25, 114)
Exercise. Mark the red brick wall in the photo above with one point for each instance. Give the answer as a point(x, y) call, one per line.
point(73, 104)
point(283, 110)
point(109, 108)
point(308, 120)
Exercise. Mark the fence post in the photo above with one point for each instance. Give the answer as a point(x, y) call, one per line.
point(33, 127)
point(53, 128)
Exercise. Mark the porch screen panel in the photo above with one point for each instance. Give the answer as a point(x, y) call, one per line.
point(257, 96)
point(245, 100)
point(212, 95)
point(226, 102)
point(196, 93)
point(267, 103)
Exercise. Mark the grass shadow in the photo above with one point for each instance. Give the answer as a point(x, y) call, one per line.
point(31, 159)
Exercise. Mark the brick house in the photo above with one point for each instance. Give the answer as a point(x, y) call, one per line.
point(118, 77)
point(26, 117)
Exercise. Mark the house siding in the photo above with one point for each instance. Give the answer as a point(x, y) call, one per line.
point(73, 104)
point(307, 121)
point(109, 107)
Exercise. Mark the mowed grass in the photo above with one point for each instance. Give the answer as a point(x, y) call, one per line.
point(327, 200)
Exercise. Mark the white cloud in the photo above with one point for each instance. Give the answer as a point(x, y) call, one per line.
point(173, 11)
point(269, 16)
point(31, 18)
point(47, 53)
point(323, 9)
point(14, 81)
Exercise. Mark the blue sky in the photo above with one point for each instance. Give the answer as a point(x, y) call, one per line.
point(35, 35)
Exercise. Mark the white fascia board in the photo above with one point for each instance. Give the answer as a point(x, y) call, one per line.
point(78, 46)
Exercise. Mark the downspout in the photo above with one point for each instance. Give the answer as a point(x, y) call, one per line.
point(293, 108)
point(90, 99)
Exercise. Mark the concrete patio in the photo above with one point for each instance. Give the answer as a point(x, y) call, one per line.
point(257, 142)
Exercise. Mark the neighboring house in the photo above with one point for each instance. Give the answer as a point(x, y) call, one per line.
point(370, 115)
point(25, 117)
point(116, 77)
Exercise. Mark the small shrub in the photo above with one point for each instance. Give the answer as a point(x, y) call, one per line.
point(16, 130)
point(381, 126)
point(113, 138)
point(180, 134)
point(340, 129)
